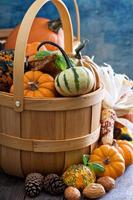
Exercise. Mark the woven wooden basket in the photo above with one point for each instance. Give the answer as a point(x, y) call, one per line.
point(45, 135)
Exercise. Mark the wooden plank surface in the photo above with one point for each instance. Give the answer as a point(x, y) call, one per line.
point(11, 188)
point(44, 196)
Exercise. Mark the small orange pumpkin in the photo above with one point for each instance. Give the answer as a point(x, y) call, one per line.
point(37, 84)
point(126, 150)
point(42, 29)
point(111, 159)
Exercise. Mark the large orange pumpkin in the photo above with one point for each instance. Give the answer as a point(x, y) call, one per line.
point(37, 84)
point(126, 150)
point(42, 29)
point(111, 159)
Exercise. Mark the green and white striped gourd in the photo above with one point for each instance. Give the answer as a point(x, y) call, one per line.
point(75, 81)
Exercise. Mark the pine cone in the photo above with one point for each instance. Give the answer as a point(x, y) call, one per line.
point(53, 184)
point(34, 184)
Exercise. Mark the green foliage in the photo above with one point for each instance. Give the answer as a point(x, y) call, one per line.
point(41, 54)
point(59, 61)
point(85, 159)
point(97, 168)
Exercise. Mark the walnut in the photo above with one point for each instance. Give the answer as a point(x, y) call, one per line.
point(93, 191)
point(107, 182)
point(72, 193)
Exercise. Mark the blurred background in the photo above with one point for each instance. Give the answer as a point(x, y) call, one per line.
point(108, 24)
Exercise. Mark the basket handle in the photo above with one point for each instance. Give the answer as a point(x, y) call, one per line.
point(22, 39)
point(77, 19)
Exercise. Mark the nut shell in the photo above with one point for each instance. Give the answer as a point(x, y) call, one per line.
point(72, 193)
point(107, 182)
point(93, 191)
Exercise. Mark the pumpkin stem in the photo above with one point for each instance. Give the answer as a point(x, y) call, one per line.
point(55, 25)
point(80, 48)
point(33, 86)
point(106, 161)
point(114, 142)
point(69, 65)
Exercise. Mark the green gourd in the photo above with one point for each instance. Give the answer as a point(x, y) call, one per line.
point(75, 81)
point(78, 176)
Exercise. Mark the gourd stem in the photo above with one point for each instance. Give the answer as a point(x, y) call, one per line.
point(62, 51)
point(80, 48)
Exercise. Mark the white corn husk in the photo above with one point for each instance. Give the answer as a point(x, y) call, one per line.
point(118, 97)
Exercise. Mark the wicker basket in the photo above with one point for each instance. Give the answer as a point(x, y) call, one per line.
point(45, 135)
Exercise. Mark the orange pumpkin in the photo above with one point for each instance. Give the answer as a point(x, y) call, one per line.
point(32, 48)
point(111, 159)
point(37, 84)
point(126, 150)
point(42, 29)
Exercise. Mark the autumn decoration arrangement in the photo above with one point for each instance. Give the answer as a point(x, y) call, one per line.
point(50, 73)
